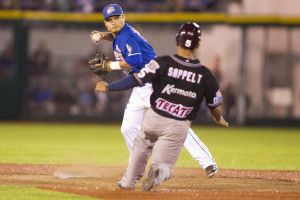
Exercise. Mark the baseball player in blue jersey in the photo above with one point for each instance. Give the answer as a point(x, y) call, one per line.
point(132, 52)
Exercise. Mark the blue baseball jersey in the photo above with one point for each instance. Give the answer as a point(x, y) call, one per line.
point(130, 42)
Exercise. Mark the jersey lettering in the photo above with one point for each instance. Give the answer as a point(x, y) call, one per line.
point(118, 49)
point(138, 33)
point(129, 49)
point(199, 78)
point(188, 43)
point(170, 89)
point(143, 72)
point(150, 67)
point(118, 54)
point(189, 76)
point(176, 110)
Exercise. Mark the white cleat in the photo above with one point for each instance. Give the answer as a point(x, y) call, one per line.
point(211, 171)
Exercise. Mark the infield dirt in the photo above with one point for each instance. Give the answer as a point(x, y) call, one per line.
point(186, 183)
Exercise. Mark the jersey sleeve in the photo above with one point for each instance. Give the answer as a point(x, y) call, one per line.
point(213, 95)
point(125, 83)
point(148, 73)
point(134, 60)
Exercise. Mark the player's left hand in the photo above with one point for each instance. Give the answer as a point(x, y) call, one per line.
point(99, 64)
point(101, 87)
point(221, 122)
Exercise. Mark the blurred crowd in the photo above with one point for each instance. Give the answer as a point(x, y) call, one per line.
point(90, 6)
point(51, 92)
point(70, 94)
point(6, 60)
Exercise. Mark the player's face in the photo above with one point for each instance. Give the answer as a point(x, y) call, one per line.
point(114, 24)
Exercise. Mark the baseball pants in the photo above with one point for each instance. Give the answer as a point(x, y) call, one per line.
point(138, 104)
point(165, 136)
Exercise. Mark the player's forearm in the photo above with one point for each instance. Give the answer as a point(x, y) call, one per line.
point(123, 84)
point(216, 112)
point(128, 63)
point(217, 115)
point(124, 65)
point(108, 36)
point(118, 65)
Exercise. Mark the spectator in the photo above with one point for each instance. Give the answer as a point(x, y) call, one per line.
point(10, 4)
point(230, 100)
point(30, 4)
point(170, 6)
point(64, 5)
point(133, 6)
point(40, 60)
point(114, 105)
point(48, 5)
point(198, 5)
point(218, 72)
point(86, 98)
point(101, 104)
point(63, 99)
point(116, 100)
point(85, 6)
point(6, 61)
point(41, 97)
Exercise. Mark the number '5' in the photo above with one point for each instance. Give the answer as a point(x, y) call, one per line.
point(143, 72)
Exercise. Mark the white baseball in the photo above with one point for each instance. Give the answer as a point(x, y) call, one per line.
point(96, 36)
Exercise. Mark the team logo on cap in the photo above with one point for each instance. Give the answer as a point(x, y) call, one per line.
point(110, 9)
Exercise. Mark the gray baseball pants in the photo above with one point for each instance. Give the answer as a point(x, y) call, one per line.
point(165, 136)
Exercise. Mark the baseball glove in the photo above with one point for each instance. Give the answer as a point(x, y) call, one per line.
point(98, 64)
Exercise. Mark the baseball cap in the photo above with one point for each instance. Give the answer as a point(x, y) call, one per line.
point(111, 10)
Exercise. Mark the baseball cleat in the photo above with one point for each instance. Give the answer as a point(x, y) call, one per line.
point(211, 171)
point(122, 187)
point(152, 175)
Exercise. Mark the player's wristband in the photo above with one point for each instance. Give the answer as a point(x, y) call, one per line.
point(115, 65)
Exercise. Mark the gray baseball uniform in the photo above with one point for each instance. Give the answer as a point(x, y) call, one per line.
point(167, 138)
point(179, 86)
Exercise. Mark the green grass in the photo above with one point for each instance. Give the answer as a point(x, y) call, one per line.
point(62, 144)
point(98, 144)
point(31, 193)
point(251, 148)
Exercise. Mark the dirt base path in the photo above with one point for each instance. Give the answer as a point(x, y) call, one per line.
point(186, 183)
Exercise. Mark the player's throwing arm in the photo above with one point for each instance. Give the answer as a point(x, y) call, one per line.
point(97, 36)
